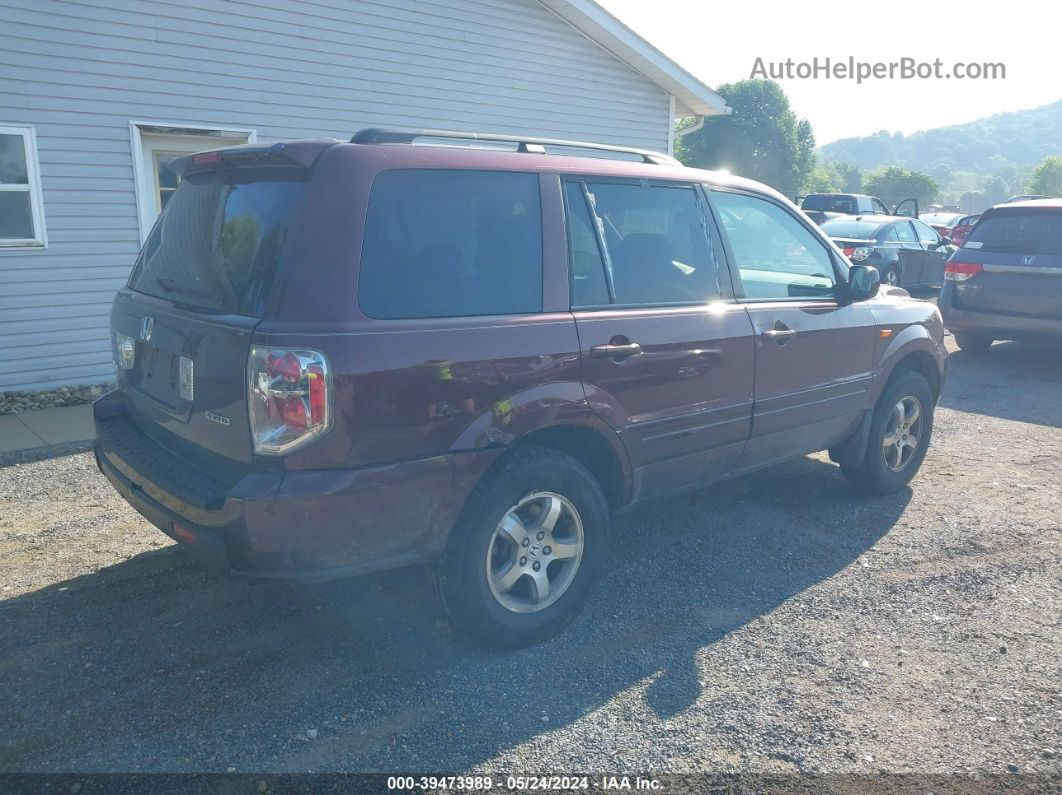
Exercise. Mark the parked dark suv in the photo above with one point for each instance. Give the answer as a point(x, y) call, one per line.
point(1005, 283)
point(339, 358)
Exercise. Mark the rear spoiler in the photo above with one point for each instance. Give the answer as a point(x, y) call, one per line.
point(297, 154)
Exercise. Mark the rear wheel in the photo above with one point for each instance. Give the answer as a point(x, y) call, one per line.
point(972, 342)
point(900, 430)
point(527, 551)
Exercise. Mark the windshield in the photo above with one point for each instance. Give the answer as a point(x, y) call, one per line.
point(842, 227)
point(829, 204)
point(217, 244)
point(1027, 232)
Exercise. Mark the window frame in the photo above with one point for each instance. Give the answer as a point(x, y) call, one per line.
point(726, 282)
point(839, 271)
point(32, 187)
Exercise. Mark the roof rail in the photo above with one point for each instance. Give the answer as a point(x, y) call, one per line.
point(375, 135)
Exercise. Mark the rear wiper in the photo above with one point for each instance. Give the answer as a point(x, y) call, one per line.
point(171, 286)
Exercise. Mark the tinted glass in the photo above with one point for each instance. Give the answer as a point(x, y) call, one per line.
point(16, 220)
point(904, 233)
point(1038, 232)
point(879, 207)
point(13, 170)
point(451, 244)
point(658, 241)
point(589, 287)
point(842, 227)
point(218, 242)
point(776, 255)
point(830, 204)
point(925, 233)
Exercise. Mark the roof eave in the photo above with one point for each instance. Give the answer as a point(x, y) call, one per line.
point(692, 97)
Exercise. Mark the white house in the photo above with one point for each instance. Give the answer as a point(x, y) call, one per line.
point(96, 97)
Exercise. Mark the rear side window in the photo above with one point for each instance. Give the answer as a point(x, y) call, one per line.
point(659, 245)
point(1038, 232)
point(442, 243)
point(218, 242)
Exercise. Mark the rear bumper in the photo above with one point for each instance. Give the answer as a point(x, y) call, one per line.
point(994, 324)
point(304, 525)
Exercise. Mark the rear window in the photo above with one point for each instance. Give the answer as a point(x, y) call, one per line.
point(1035, 232)
point(854, 229)
point(218, 242)
point(829, 204)
point(452, 244)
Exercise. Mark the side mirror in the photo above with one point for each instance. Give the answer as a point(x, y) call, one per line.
point(863, 282)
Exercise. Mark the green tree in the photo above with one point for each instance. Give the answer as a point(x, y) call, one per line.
point(1047, 177)
point(895, 184)
point(761, 138)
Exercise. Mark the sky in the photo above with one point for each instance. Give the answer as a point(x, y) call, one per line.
point(719, 42)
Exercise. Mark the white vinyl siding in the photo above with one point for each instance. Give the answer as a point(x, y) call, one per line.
point(80, 71)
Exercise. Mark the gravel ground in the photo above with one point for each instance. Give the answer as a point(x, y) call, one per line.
point(775, 623)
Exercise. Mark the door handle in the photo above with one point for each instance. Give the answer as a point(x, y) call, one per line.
point(611, 351)
point(779, 335)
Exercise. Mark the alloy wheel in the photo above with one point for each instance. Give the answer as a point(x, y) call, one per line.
point(903, 432)
point(535, 552)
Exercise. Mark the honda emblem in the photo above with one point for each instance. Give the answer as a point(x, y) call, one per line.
point(1028, 260)
point(145, 328)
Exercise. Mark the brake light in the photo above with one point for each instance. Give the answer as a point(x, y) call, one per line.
point(289, 398)
point(206, 158)
point(961, 271)
point(848, 250)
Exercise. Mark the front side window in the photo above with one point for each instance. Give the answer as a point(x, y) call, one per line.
point(449, 243)
point(21, 207)
point(925, 233)
point(905, 233)
point(776, 256)
point(660, 249)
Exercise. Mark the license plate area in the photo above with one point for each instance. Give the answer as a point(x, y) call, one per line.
point(159, 374)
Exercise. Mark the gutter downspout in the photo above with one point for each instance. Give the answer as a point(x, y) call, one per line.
point(692, 128)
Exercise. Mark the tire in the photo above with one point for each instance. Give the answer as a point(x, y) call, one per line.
point(972, 342)
point(881, 472)
point(891, 277)
point(485, 578)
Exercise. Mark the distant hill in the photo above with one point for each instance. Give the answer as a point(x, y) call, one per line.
point(1023, 137)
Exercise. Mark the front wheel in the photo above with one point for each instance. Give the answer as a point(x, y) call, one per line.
point(527, 550)
point(891, 277)
point(900, 430)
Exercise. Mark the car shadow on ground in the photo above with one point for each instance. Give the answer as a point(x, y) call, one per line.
point(150, 665)
point(984, 383)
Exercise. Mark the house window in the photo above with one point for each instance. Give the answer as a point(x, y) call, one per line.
point(21, 209)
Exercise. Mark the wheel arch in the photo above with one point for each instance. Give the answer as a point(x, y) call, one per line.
point(594, 449)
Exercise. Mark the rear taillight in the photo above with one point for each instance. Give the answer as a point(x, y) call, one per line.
point(961, 271)
point(848, 250)
point(289, 398)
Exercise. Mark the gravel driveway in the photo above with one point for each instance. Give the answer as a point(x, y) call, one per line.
point(771, 624)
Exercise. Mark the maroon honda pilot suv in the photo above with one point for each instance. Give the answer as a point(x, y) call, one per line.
point(468, 352)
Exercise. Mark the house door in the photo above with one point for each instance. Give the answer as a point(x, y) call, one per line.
point(155, 182)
